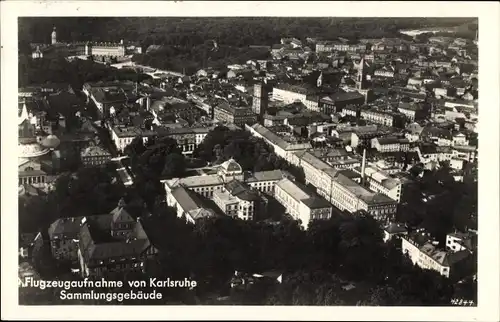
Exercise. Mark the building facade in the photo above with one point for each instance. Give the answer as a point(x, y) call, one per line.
point(226, 114)
point(260, 99)
point(300, 204)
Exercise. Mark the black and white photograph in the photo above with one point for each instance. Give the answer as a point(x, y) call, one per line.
point(251, 160)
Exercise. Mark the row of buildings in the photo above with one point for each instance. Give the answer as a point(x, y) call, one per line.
point(89, 48)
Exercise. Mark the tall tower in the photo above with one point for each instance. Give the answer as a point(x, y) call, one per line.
point(260, 99)
point(361, 77)
point(54, 36)
point(363, 167)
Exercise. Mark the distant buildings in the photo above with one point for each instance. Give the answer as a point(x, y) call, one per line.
point(97, 49)
point(330, 46)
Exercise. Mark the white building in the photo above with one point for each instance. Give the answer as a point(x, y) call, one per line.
point(207, 185)
point(238, 200)
point(188, 205)
point(281, 147)
point(124, 135)
point(390, 144)
point(461, 241)
point(426, 255)
point(383, 183)
point(393, 230)
point(300, 204)
point(290, 93)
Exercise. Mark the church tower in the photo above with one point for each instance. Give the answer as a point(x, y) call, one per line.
point(54, 36)
point(361, 84)
point(260, 99)
point(361, 77)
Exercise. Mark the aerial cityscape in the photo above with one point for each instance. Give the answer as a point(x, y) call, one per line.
point(248, 161)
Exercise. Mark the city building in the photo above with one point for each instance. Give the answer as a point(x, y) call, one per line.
point(339, 188)
point(238, 200)
point(413, 112)
point(288, 93)
point(94, 156)
point(459, 241)
point(37, 152)
point(122, 135)
point(394, 230)
point(106, 49)
point(424, 253)
point(238, 115)
point(381, 182)
point(188, 205)
point(207, 185)
point(260, 99)
point(390, 144)
point(282, 147)
point(382, 117)
point(334, 103)
point(37, 53)
point(168, 110)
point(101, 244)
point(105, 97)
point(301, 205)
point(363, 135)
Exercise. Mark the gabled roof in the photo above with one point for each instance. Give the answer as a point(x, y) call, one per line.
point(120, 215)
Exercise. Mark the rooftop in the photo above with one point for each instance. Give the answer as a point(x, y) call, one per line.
point(361, 192)
point(241, 190)
point(195, 181)
point(272, 175)
point(186, 199)
point(278, 140)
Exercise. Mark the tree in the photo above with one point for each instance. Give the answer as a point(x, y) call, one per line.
point(175, 165)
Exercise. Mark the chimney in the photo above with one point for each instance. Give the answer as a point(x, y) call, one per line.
point(363, 166)
point(148, 103)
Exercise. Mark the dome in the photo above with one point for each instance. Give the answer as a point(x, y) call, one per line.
point(31, 150)
point(231, 166)
point(51, 142)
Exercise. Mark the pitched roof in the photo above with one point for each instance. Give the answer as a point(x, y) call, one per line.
point(120, 215)
point(186, 199)
point(241, 190)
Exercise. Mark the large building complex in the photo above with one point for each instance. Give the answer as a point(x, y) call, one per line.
point(335, 186)
point(301, 204)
